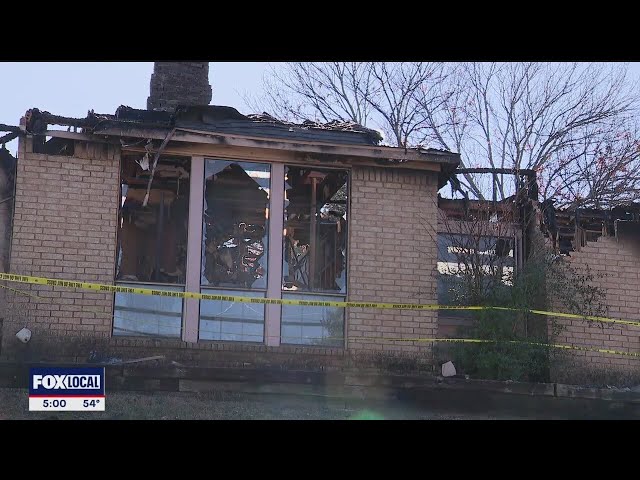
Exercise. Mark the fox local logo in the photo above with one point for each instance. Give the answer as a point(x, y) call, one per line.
point(67, 382)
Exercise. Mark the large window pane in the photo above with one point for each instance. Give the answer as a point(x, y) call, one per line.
point(234, 248)
point(312, 325)
point(152, 239)
point(235, 230)
point(315, 230)
point(152, 244)
point(147, 315)
point(240, 322)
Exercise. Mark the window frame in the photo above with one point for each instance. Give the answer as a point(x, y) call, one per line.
point(338, 296)
point(156, 285)
point(263, 291)
point(273, 313)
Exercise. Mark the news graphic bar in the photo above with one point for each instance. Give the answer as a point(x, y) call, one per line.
point(56, 389)
point(66, 404)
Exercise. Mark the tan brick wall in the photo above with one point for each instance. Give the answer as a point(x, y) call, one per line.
point(392, 257)
point(64, 227)
point(620, 262)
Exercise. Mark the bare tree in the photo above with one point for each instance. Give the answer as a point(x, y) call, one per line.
point(560, 119)
point(539, 115)
point(380, 95)
point(317, 92)
point(603, 171)
point(477, 251)
point(395, 96)
point(476, 266)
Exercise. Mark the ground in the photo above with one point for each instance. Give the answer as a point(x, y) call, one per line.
point(228, 406)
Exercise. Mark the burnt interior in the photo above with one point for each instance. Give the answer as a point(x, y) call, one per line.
point(152, 240)
point(235, 224)
point(315, 230)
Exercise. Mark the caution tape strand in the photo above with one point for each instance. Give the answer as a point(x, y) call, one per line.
point(281, 301)
point(240, 299)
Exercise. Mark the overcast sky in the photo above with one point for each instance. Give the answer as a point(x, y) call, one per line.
point(72, 89)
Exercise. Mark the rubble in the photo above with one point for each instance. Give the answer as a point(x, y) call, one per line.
point(448, 369)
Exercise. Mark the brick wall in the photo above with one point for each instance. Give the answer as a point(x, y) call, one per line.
point(179, 83)
point(620, 262)
point(64, 227)
point(392, 257)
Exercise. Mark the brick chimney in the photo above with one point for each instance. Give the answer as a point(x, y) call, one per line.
point(179, 83)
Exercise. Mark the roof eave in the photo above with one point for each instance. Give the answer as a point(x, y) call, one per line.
point(392, 154)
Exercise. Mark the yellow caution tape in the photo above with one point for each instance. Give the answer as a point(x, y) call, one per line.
point(233, 298)
point(52, 282)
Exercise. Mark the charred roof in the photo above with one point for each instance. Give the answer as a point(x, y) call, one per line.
point(220, 119)
point(223, 120)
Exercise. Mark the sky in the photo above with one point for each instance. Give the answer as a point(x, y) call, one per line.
point(73, 88)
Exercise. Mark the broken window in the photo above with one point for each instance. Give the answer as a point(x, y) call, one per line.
point(234, 248)
point(303, 325)
point(152, 243)
point(147, 315)
point(314, 253)
point(232, 321)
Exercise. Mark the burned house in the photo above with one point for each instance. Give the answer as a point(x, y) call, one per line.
point(186, 197)
point(189, 197)
point(600, 246)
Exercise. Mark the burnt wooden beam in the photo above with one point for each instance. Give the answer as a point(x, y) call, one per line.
point(84, 137)
point(9, 136)
point(67, 121)
point(9, 128)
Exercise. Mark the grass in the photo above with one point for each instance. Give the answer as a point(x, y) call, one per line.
point(221, 406)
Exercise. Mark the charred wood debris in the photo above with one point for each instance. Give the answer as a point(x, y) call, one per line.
point(568, 229)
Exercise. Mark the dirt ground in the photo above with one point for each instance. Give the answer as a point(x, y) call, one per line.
point(227, 406)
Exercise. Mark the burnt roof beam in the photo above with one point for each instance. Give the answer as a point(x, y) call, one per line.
point(10, 136)
point(9, 128)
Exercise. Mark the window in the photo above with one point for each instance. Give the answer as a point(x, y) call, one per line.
point(314, 254)
point(234, 248)
point(230, 204)
point(148, 315)
point(152, 244)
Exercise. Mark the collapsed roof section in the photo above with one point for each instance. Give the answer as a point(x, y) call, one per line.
point(571, 229)
point(225, 125)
